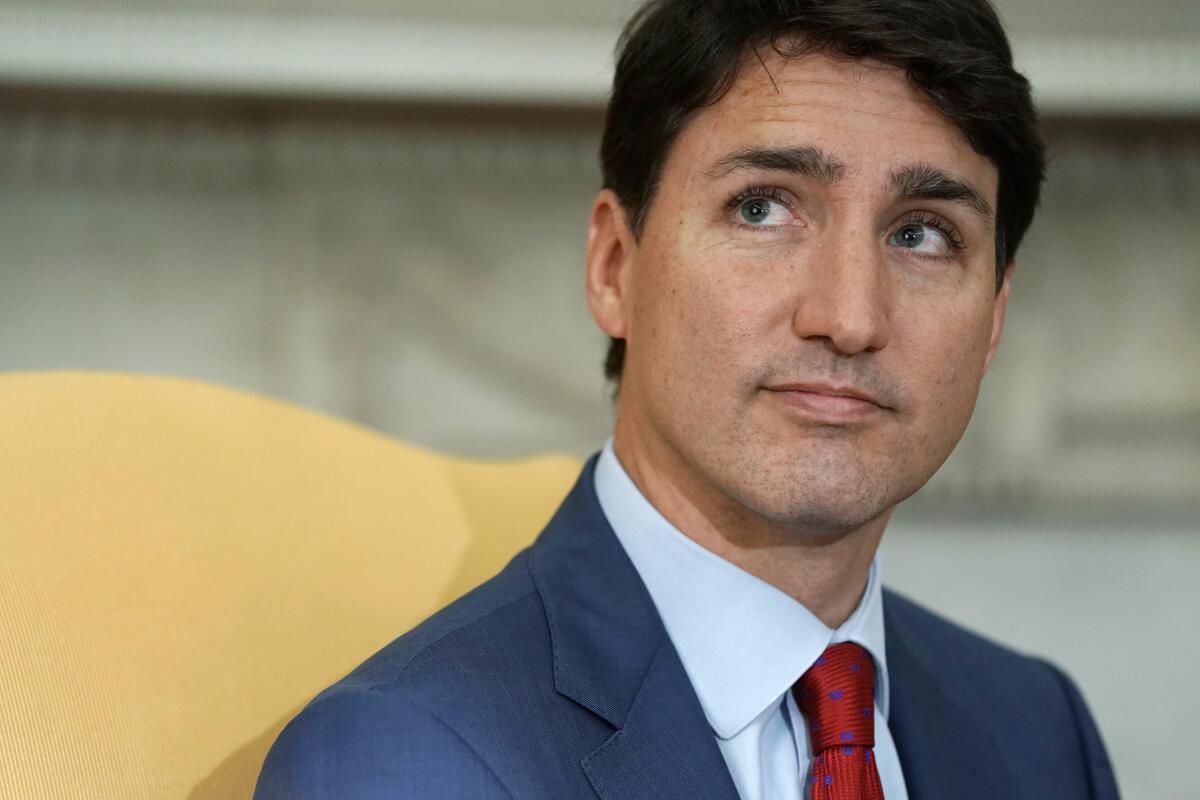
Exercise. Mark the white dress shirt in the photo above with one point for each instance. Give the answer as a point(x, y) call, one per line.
point(743, 643)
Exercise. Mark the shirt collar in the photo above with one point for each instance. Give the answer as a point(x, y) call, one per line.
point(743, 643)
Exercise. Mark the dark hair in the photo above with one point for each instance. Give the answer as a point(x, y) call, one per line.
point(677, 56)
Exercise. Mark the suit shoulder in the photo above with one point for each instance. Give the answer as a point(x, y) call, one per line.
point(1015, 690)
point(1025, 699)
point(466, 628)
point(930, 633)
point(371, 745)
point(405, 714)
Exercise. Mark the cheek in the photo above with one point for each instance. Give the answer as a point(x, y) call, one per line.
point(948, 362)
point(709, 317)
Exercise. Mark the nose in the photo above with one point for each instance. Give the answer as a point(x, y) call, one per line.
point(845, 298)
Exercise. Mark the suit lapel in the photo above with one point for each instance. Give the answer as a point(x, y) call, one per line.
point(666, 748)
point(613, 657)
point(945, 752)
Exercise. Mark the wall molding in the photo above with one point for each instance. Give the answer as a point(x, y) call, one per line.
point(388, 59)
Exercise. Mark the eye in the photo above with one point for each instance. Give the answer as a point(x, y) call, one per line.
point(759, 211)
point(761, 208)
point(927, 237)
point(921, 238)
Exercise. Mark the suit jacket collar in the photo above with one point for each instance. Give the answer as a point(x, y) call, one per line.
point(945, 749)
point(613, 657)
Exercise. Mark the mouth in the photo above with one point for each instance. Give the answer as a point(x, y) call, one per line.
point(829, 403)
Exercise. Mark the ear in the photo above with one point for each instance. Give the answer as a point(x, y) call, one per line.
point(999, 306)
point(611, 249)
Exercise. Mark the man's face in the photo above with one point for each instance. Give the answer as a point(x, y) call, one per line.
point(812, 304)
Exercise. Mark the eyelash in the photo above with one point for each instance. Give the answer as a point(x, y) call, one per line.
point(754, 192)
point(919, 217)
point(938, 224)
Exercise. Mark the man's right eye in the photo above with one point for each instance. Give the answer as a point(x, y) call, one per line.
point(762, 212)
point(756, 211)
point(763, 208)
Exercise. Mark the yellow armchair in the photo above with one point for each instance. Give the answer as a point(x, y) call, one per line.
point(183, 566)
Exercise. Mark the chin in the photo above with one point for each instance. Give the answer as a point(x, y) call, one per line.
point(835, 509)
point(822, 494)
point(834, 516)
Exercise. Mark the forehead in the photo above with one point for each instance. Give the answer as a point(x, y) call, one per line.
point(863, 112)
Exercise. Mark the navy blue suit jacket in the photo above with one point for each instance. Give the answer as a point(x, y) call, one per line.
point(556, 680)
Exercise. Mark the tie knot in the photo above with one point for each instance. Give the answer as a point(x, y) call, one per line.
point(837, 697)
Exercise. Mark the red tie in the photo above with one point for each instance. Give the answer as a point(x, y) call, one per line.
point(837, 698)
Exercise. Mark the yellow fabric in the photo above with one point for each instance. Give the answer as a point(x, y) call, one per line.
point(183, 566)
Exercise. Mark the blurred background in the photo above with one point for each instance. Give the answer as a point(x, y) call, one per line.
point(377, 209)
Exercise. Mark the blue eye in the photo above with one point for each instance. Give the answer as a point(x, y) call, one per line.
point(922, 238)
point(763, 208)
point(756, 211)
point(762, 212)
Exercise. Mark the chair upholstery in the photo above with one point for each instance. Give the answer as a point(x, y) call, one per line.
point(183, 566)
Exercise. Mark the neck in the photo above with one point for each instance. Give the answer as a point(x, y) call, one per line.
point(824, 570)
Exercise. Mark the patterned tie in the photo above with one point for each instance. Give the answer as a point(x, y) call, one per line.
point(836, 696)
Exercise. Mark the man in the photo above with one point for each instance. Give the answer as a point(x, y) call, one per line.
point(802, 253)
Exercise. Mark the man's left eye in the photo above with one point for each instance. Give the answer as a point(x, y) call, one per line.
point(762, 212)
point(921, 238)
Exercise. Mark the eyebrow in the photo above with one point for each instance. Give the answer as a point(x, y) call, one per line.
point(916, 182)
point(811, 162)
point(925, 182)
